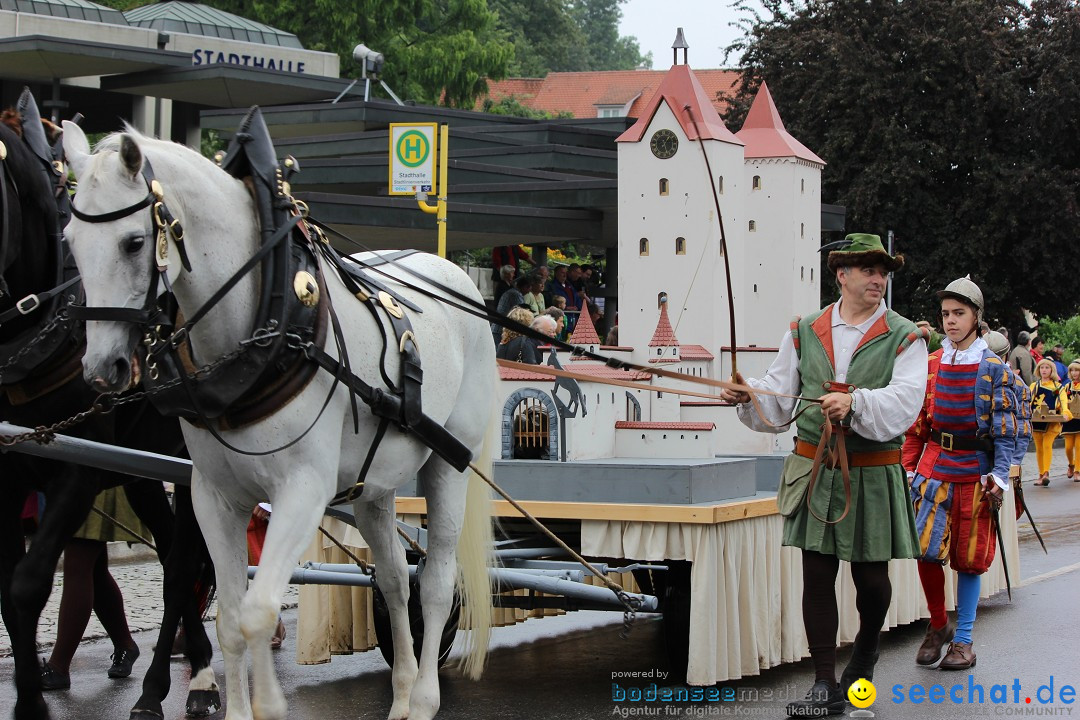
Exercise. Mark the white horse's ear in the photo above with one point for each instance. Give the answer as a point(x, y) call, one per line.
point(131, 156)
point(76, 147)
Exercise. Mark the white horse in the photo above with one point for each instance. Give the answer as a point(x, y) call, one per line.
point(221, 232)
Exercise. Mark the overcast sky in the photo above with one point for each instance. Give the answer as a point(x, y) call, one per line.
point(705, 24)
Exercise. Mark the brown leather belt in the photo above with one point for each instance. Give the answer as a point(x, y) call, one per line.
point(874, 458)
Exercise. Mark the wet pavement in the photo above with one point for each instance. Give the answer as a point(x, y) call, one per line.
point(567, 667)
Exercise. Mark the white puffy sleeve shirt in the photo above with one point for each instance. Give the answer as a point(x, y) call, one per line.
point(881, 414)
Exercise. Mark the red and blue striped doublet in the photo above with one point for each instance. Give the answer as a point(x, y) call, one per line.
point(954, 412)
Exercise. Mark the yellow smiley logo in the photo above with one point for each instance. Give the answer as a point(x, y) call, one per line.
point(862, 693)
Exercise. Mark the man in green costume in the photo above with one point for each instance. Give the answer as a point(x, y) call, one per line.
point(867, 365)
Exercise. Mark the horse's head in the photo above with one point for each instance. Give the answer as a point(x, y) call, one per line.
point(112, 237)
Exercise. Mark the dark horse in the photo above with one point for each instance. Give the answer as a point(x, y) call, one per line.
point(40, 383)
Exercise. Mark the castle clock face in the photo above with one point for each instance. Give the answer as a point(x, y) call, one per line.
point(664, 144)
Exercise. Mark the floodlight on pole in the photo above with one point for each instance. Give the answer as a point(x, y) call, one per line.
point(371, 61)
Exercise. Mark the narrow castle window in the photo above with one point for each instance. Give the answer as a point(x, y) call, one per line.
point(757, 182)
point(680, 246)
point(663, 186)
point(720, 184)
point(802, 230)
point(753, 226)
point(802, 185)
point(643, 246)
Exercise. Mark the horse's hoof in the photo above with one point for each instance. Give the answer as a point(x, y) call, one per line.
point(35, 709)
point(202, 703)
point(144, 714)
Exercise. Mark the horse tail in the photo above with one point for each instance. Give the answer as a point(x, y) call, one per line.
point(475, 556)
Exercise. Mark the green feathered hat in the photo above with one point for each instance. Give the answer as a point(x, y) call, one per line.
point(861, 250)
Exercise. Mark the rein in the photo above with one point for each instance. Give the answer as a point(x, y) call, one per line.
point(469, 305)
point(723, 244)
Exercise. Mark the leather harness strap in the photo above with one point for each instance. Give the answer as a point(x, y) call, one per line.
point(391, 406)
point(839, 452)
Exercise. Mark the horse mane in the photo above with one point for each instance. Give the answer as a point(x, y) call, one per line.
point(13, 120)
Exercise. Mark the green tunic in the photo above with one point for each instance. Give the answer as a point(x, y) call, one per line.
point(880, 524)
point(114, 503)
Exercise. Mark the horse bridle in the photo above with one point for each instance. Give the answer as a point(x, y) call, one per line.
point(166, 226)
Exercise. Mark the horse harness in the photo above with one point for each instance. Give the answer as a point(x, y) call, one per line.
point(48, 354)
point(293, 319)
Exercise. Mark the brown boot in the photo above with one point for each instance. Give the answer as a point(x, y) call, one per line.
point(959, 657)
point(278, 636)
point(930, 650)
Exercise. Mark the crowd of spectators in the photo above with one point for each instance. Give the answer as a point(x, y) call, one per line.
point(553, 298)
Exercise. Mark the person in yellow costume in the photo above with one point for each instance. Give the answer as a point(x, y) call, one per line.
point(1071, 429)
point(1048, 394)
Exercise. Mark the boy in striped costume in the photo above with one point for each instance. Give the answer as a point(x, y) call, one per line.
point(957, 457)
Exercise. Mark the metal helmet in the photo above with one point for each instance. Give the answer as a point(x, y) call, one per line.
point(963, 289)
point(998, 343)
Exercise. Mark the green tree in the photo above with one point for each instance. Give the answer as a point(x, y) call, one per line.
point(604, 48)
point(544, 35)
point(436, 50)
point(511, 105)
point(566, 36)
point(950, 122)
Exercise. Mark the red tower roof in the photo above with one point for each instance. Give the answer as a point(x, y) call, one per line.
point(584, 330)
point(764, 133)
point(664, 335)
point(680, 89)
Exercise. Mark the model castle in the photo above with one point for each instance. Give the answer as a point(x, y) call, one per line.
point(673, 295)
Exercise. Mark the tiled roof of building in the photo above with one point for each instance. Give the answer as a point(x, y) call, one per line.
point(765, 135)
point(584, 330)
point(664, 336)
point(74, 9)
point(688, 102)
point(580, 92)
point(596, 370)
point(695, 352)
point(639, 425)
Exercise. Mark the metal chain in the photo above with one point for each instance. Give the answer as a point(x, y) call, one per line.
point(61, 318)
point(44, 435)
point(632, 605)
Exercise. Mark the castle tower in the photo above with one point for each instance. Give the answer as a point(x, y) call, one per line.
point(584, 334)
point(664, 351)
point(782, 221)
point(669, 237)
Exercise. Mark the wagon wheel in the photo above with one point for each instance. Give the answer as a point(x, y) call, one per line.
point(381, 616)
